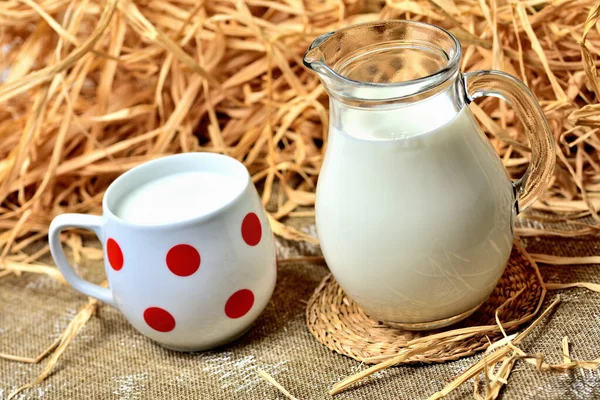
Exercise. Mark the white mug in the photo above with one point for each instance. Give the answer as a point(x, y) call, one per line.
point(192, 284)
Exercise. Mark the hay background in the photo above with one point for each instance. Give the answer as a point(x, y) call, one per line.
point(90, 89)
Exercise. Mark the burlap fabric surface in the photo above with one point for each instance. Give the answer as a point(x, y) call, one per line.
point(110, 360)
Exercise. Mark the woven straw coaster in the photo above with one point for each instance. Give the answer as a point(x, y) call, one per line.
point(338, 323)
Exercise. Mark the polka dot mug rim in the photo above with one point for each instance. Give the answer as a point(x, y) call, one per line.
point(238, 171)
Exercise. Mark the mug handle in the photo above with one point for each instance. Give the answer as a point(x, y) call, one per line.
point(91, 222)
point(519, 97)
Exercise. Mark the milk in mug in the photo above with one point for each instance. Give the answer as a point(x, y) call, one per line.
point(177, 197)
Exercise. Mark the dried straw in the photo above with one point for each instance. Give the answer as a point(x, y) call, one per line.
point(595, 287)
point(557, 260)
point(58, 347)
point(496, 374)
point(494, 354)
point(273, 382)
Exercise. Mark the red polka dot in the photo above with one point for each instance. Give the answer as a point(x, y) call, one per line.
point(115, 254)
point(183, 260)
point(239, 303)
point(251, 229)
point(159, 319)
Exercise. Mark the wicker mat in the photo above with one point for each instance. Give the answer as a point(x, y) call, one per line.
point(341, 325)
point(109, 360)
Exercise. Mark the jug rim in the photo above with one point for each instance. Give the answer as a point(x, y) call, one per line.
point(410, 87)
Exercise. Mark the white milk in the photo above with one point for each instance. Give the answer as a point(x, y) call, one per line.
point(414, 211)
point(176, 197)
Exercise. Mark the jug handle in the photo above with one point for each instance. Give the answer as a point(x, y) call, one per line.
point(519, 97)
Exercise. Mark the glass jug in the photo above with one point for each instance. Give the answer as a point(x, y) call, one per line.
point(414, 209)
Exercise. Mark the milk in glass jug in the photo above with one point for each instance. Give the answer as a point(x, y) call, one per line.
point(414, 209)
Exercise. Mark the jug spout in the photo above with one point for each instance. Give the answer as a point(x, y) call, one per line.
point(313, 58)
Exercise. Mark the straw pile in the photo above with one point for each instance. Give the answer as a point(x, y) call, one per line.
point(90, 88)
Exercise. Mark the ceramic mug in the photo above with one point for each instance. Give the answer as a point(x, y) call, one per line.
point(189, 285)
